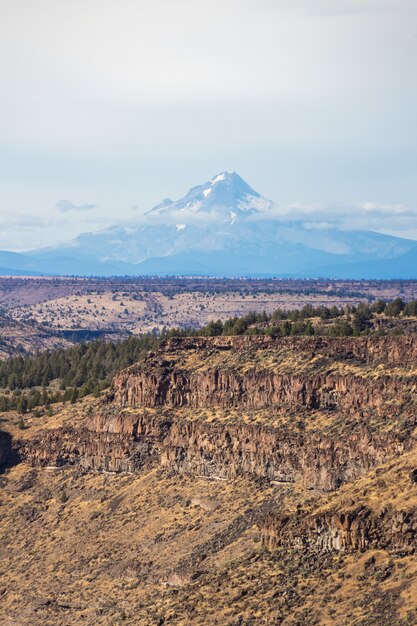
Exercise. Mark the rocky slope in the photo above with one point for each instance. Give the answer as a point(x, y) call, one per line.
point(318, 411)
point(299, 453)
point(260, 372)
point(19, 337)
point(213, 450)
point(348, 530)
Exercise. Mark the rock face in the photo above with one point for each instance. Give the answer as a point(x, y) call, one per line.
point(310, 447)
point(348, 382)
point(358, 529)
point(82, 447)
point(215, 451)
point(6, 453)
point(344, 374)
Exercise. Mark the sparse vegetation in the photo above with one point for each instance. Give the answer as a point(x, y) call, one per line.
point(88, 368)
point(160, 547)
point(363, 319)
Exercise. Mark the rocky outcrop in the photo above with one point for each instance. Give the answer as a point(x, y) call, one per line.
point(130, 442)
point(84, 448)
point(178, 548)
point(359, 529)
point(169, 378)
point(259, 372)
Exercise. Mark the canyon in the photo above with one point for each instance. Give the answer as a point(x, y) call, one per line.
point(309, 441)
point(262, 398)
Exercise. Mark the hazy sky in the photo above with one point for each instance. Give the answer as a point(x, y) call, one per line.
point(108, 106)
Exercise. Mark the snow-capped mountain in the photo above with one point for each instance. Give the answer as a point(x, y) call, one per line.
point(226, 195)
point(224, 227)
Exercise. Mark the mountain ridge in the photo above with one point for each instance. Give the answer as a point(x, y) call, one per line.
point(223, 227)
point(226, 191)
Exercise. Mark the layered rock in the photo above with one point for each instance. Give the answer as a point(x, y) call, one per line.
point(221, 450)
point(343, 374)
point(143, 422)
point(156, 531)
point(358, 529)
point(211, 450)
point(84, 448)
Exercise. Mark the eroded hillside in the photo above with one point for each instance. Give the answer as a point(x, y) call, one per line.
point(242, 480)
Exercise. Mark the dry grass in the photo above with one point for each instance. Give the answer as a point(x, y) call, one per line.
point(109, 549)
point(148, 311)
point(96, 538)
point(149, 549)
point(281, 360)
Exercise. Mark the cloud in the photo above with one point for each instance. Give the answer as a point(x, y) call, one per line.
point(338, 7)
point(369, 215)
point(304, 106)
point(391, 218)
point(26, 231)
point(17, 220)
point(64, 206)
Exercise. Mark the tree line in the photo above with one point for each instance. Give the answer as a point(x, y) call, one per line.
point(82, 369)
point(335, 321)
point(89, 367)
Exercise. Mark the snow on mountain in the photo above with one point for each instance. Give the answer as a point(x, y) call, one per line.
point(226, 195)
point(224, 227)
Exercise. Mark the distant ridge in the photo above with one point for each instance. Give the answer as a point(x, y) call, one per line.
point(222, 227)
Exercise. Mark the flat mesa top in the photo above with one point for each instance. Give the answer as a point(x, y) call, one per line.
point(370, 357)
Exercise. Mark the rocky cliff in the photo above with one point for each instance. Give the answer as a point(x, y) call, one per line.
point(349, 530)
point(217, 451)
point(250, 474)
point(261, 372)
point(350, 408)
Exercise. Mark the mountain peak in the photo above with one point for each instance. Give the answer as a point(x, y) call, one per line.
point(226, 177)
point(226, 194)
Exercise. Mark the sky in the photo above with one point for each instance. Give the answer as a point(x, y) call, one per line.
point(109, 106)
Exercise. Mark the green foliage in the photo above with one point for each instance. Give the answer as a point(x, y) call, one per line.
point(410, 309)
point(340, 329)
point(89, 367)
point(22, 405)
point(83, 369)
point(82, 364)
point(378, 306)
point(361, 319)
point(394, 308)
point(213, 329)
